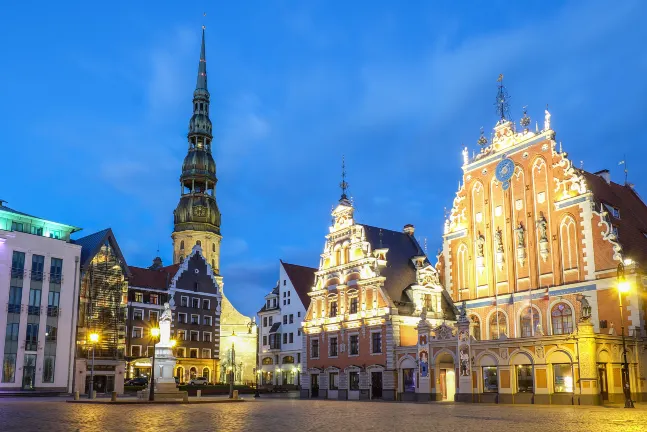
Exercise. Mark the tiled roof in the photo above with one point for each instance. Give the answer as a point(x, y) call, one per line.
point(152, 278)
point(302, 278)
point(632, 224)
point(400, 272)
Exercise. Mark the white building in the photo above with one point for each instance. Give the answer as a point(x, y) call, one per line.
point(39, 286)
point(280, 321)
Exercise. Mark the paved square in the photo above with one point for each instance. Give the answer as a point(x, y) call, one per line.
point(269, 414)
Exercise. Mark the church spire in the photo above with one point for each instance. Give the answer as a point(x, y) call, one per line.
point(202, 67)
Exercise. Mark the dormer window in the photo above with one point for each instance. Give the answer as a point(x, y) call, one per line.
point(614, 211)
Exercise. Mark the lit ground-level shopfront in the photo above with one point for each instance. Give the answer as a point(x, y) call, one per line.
point(581, 368)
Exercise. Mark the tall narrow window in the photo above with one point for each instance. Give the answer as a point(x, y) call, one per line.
point(498, 325)
point(529, 321)
point(562, 319)
point(333, 309)
point(461, 267)
point(353, 305)
point(475, 328)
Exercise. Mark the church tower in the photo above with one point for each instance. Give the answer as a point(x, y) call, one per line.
point(197, 218)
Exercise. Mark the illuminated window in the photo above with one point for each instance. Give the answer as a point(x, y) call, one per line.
point(498, 325)
point(333, 309)
point(524, 379)
point(562, 319)
point(353, 305)
point(529, 321)
point(475, 328)
point(563, 378)
point(461, 267)
point(490, 380)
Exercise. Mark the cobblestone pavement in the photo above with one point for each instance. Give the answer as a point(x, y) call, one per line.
point(305, 415)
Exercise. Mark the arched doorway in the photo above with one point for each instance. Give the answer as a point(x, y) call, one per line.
point(193, 373)
point(206, 373)
point(179, 373)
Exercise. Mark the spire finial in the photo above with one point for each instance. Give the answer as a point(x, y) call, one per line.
point(502, 106)
point(525, 120)
point(343, 185)
point(381, 246)
point(482, 141)
point(202, 66)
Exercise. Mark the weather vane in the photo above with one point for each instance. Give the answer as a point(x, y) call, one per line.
point(525, 120)
point(343, 185)
point(204, 15)
point(502, 98)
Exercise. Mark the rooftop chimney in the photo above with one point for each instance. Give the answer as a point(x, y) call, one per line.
point(605, 175)
point(157, 263)
point(408, 229)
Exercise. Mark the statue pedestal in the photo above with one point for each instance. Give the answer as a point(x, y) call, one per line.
point(164, 367)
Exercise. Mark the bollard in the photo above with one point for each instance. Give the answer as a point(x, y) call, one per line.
point(113, 398)
point(185, 398)
point(235, 394)
point(199, 393)
point(94, 394)
point(76, 395)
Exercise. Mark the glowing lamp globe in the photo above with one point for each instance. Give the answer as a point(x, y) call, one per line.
point(94, 337)
point(155, 332)
point(624, 286)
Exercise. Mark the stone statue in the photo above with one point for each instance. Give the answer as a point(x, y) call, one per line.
point(480, 245)
point(463, 312)
point(498, 241)
point(546, 120)
point(585, 307)
point(165, 326)
point(542, 227)
point(521, 241)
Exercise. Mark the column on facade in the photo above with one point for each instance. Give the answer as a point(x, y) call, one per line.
point(425, 386)
point(465, 380)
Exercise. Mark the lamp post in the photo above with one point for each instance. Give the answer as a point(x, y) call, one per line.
point(94, 338)
point(233, 364)
point(256, 373)
point(624, 287)
point(155, 332)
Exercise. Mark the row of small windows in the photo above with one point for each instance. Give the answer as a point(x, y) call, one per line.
point(193, 372)
point(353, 345)
point(203, 106)
point(286, 359)
point(529, 322)
point(198, 243)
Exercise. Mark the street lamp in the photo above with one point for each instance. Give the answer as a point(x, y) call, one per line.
point(233, 364)
point(155, 332)
point(94, 338)
point(623, 288)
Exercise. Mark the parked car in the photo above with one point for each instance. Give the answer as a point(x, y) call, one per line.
point(199, 381)
point(139, 381)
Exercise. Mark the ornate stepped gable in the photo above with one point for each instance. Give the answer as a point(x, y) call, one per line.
point(525, 217)
point(390, 266)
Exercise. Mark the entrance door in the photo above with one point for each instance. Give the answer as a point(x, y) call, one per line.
point(376, 385)
point(443, 383)
point(604, 386)
point(29, 372)
point(314, 385)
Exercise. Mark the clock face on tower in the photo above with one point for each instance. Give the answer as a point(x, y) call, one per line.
point(504, 170)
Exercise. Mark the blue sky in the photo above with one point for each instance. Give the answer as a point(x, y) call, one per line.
point(96, 99)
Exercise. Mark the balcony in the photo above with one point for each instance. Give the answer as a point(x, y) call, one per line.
point(31, 345)
point(14, 308)
point(36, 275)
point(34, 310)
point(17, 273)
point(53, 311)
point(56, 278)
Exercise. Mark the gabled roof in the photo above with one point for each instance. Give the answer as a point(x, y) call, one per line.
point(303, 279)
point(632, 224)
point(152, 278)
point(19, 213)
point(400, 272)
point(91, 244)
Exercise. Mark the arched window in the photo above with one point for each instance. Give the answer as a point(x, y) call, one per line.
point(475, 328)
point(338, 257)
point(205, 373)
point(529, 321)
point(193, 373)
point(180, 374)
point(498, 325)
point(569, 246)
point(267, 361)
point(198, 243)
point(562, 319)
point(288, 359)
point(347, 254)
point(182, 244)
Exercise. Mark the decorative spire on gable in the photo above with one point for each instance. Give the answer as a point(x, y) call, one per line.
point(502, 97)
point(343, 185)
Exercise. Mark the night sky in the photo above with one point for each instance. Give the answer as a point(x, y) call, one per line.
point(95, 102)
